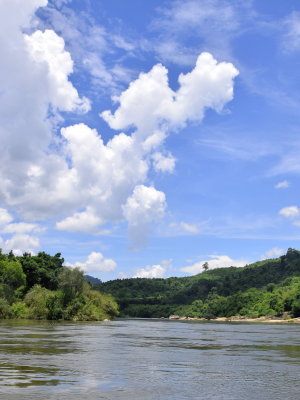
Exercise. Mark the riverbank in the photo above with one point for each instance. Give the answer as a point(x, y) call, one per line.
point(265, 319)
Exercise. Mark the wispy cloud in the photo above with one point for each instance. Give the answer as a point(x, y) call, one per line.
point(289, 162)
point(96, 50)
point(251, 226)
point(273, 253)
point(234, 147)
point(291, 32)
point(183, 228)
point(185, 28)
point(282, 185)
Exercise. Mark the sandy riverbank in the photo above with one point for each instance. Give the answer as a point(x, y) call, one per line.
point(265, 319)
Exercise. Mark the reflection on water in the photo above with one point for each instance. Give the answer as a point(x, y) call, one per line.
point(148, 359)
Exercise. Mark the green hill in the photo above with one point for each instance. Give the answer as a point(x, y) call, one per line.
point(265, 287)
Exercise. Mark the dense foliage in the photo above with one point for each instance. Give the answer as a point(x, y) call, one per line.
point(265, 287)
point(39, 287)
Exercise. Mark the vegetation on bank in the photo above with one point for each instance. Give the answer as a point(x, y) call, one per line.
point(40, 287)
point(269, 287)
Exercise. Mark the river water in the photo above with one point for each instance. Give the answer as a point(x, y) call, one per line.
point(149, 360)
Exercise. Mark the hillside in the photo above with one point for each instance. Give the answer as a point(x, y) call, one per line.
point(265, 287)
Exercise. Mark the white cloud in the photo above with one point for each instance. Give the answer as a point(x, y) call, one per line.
point(189, 227)
point(182, 228)
point(163, 163)
point(141, 104)
point(59, 3)
point(290, 212)
point(33, 80)
point(273, 253)
point(85, 221)
point(108, 174)
point(95, 264)
point(75, 177)
point(21, 227)
point(122, 275)
point(282, 185)
point(90, 43)
point(21, 243)
point(149, 102)
point(48, 49)
point(150, 271)
point(5, 217)
point(145, 206)
point(214, 261)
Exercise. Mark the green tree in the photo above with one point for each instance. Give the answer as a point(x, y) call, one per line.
point(42, 269)
point(71, 282)
point(205, 266)
point(11, 273)
point(36, 300)
point(54, 305)
point(4, 308)
point(12, 280)
point(18, 310)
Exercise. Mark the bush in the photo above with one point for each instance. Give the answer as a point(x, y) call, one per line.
point(90, 312)
point(296, 308)
point(36, 300)
point(4, 309)
point(18, 310)
point(54, 305)
point(73, 310)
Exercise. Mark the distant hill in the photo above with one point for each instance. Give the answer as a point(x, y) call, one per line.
point(92, 280)
point(265, 287)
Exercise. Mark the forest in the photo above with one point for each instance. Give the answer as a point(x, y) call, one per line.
point(40, 287)
point(269, 287)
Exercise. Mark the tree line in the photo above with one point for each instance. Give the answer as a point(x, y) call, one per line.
point(269, 287)
point(40, 287)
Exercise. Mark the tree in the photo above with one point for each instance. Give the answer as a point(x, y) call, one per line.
point(71, 282)
point(205, 266)
point(12, 280)
point(12, 274)
point(36, 300)
point(42, 269)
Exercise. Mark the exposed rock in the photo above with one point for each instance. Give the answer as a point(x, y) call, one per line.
point(174, 317)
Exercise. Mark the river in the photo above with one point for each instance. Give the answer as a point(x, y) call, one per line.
point(149, 360)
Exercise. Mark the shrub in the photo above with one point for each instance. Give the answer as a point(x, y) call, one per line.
point(4, 309)
point(18, 310)
point(36, 300)
point(54, 305)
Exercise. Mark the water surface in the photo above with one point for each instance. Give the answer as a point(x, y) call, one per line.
point(149, 360)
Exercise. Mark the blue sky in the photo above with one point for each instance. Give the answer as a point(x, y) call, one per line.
point(143, 138)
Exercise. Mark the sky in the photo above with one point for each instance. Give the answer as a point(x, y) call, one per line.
point(144, 138)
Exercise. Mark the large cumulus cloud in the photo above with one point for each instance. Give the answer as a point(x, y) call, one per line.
point(73, 175)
